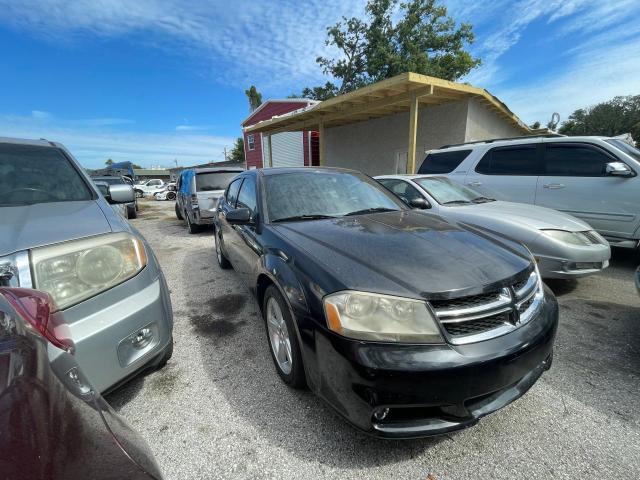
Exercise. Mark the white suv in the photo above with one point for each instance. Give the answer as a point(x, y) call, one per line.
point(593, 178)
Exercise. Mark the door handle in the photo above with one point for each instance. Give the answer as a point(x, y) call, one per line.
point(553, 186)
point(474, 184)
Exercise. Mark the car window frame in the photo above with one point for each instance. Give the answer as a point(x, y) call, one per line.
point(539, 160)
point(607, 153)
point(226, 192)
point(407, 183)
point(468, 151)
point(244, 179)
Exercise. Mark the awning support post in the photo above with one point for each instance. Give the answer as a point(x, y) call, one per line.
point(270, 150)
point(413, 129)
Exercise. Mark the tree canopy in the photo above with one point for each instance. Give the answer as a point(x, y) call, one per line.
point(423, 40)
point(109, 162)
point(614, 117)
point(254, 97)
point(237, 152)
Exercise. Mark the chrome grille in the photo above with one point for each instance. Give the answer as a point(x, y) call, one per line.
point(479, 317)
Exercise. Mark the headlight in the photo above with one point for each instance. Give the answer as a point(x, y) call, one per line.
point(384, 318)
point(74, 271)
point(574, 238)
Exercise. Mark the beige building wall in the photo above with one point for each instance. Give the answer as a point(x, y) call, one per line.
point(379, 146)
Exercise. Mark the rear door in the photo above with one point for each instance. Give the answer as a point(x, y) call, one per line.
point(575, 181)
point(209, 187)
point(508, 172)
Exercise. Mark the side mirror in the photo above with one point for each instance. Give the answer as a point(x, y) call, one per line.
point(618, 169)
point(420, 203)
point(121, 194)
point(239, 216)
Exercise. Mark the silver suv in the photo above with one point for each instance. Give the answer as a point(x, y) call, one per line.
point(59, 234)
point(593, 178)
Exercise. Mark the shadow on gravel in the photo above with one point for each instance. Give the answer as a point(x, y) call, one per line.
point(234, 350)
point(561, 287)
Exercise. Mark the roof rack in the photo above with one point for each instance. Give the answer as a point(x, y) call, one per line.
point(546, 135)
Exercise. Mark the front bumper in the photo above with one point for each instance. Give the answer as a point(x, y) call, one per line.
point(431, 389)
point(107, 327)
point(580, 263)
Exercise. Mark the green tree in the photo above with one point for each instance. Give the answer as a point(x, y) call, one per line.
point(535, 125)
point(136, 166)
point(254, 97)
point(423, 40)
point(237, 152)
point(614, 117)
point(109, 162)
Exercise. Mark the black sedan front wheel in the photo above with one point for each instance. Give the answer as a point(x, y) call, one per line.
point(222, 260)
point(283, 342)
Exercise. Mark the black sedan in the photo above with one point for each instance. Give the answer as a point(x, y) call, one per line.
point(407, 325)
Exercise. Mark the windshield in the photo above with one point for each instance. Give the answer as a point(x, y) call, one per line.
point(625, 147)
point(322, 194)
point(32, 174)
point(446, 192)
point(206, 182)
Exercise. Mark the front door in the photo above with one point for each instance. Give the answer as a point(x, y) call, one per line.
point(575, 181)
point(245, 243)
point(230, 238)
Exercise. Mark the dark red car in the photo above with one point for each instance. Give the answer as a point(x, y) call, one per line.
point(53, 424)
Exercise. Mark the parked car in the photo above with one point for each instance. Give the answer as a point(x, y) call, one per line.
point(198, 193)
point(120, 208)
point(570, 174)
point(148, 187)
point(564, 246)
point(60, 235)
point(54, 423)
point(406, 324)
point(132, 207)
point(168, 193)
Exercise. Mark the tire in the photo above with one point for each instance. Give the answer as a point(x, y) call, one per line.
point(223, 262)
point(192, 227)
point(178, 214)
point(168, 353)
point(131, 212)
point(282, 339)
point(171, 196)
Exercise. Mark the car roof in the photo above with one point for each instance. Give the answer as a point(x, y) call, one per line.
point(281, 170)
point(217, 169)
point(26, 141)
point(517, 141)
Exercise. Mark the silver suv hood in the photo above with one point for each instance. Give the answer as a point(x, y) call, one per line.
point(31, 226)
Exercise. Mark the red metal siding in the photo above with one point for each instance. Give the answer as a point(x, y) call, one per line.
point(274, 108)
point(315, 149)
point(253, 158)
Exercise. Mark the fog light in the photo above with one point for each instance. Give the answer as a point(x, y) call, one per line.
point(138, 344)
point(142, 338)
point(380, 413)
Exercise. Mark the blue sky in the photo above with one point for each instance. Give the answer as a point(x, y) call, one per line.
point(156, 80)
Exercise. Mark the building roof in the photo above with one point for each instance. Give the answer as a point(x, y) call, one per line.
point(384, 98)
point(308, 101)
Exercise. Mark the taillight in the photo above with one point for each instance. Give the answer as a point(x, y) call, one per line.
point(40, 311)
point(194, 200)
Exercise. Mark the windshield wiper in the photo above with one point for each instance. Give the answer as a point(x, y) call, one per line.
point(302, 217)
point(483, 200)
point(370, 210)
point(457, 202)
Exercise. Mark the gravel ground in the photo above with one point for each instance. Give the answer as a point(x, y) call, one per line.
point(219, 410)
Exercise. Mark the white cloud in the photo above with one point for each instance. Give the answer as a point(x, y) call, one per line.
point(193, 128)
point(274, 45)
point(40, 115)
point(93, 145)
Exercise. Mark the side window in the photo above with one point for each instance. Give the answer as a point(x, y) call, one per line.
point(251, 143)
point(443, 162)
point(232, 192)
point(402, 189)
point(575, 160)
point(247, 197)
point(516, 160)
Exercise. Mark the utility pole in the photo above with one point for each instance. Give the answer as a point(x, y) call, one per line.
point(225, 154)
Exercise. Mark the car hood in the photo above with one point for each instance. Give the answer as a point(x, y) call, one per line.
point(407, 253)
point(518, 213)
point(28, 226)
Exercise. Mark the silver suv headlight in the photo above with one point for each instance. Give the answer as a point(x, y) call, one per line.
point(74, 271)
point(384, 318)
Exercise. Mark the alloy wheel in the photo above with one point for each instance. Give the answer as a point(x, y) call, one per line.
point(279, 336)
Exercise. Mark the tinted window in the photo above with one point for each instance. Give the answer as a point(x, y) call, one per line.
point(402, 189)
point(247, 195)
point(443, 162)
point(625, 147)
point(31, 174)
point(578, 160)
point(520, 160)
point(232, 193)
point(110, 180)
point(327, 193)
point(206, 182)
